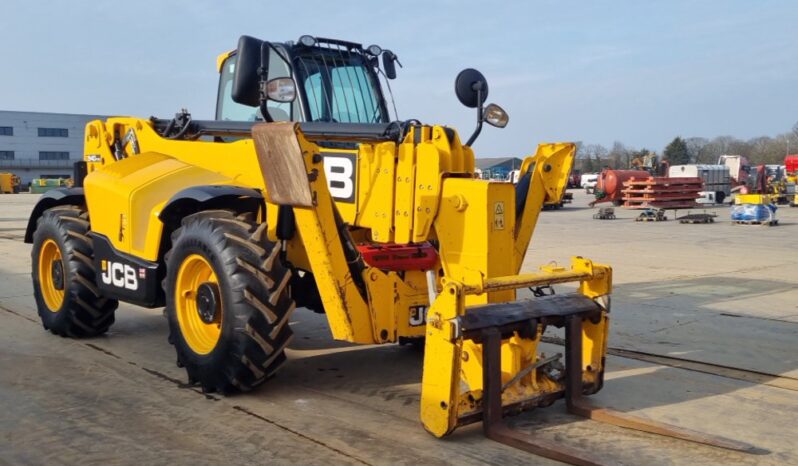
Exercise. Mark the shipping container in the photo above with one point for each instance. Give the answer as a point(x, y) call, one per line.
point(716, 177)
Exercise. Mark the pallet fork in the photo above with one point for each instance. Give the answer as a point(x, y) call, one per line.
point(481, 360)
point(493, 327)
point(496, 429)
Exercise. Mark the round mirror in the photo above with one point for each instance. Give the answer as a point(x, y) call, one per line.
point(466, 85)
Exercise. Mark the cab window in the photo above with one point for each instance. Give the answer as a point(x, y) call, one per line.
point(339, 88)
point(229, 110)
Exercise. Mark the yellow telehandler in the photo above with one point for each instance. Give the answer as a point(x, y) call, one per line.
point(9, 183)
point(304, 192)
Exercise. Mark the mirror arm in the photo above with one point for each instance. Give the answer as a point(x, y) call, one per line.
point(480, 115)
point(263, 73)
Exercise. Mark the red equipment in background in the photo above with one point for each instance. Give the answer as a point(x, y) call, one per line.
point(791, 164)
point(662, 193)
point(575, 180)
point(610, 184)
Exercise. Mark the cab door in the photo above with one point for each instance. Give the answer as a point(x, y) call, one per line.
point(229, 110)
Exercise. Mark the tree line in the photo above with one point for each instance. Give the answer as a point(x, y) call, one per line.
point(759, 150)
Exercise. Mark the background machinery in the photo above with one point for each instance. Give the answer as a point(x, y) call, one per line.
point(609, 185)
point(738, 167)
point(9, 183)
point(514, 176)
point(791, 179)
point(303, 192)
point(575, 180)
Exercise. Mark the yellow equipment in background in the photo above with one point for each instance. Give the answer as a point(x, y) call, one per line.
point(9, 183)
point(755, 199)
point(791, 190)
point(304, 192)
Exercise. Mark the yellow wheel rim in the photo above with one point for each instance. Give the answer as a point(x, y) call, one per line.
point(51, 266)
point(200, 336)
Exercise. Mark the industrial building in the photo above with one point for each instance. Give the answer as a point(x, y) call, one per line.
point(497, 167)
point(41, 145)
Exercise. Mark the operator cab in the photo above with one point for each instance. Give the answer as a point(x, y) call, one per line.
point(314, 79)
point(326, 82)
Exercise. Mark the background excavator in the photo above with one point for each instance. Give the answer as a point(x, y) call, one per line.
point(304, 192)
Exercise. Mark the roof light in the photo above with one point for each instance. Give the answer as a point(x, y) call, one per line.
point(307, 41)
point(374, 50)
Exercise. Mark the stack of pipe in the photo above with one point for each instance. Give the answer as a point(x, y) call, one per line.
point(662, 192)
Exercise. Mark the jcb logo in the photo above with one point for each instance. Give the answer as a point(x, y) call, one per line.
point(418, 316)
point(341, 172)
point(119, 275)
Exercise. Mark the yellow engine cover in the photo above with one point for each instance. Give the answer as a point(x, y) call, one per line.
point(124, 198)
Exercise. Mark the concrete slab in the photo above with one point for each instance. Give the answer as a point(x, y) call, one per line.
point(716, 293)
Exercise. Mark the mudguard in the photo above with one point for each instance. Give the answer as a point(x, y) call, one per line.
point(198, 198)
point(52, 198)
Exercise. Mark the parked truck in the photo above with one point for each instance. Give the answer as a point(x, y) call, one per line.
point(716, 178)
point(738, 167)
point(588, 182)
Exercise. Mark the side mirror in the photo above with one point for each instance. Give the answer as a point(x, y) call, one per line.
point(471, 88)
point(495, 116)
point(281, 90)
point(246, 77)
point(389, 64)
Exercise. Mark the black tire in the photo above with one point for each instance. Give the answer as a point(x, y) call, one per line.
point(253, 287)
point(84, 312)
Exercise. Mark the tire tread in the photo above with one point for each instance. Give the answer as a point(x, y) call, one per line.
point(261, 304)
point(85, 313)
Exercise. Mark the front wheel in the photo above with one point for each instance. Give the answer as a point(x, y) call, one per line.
point(228, 301)
point(64, 278)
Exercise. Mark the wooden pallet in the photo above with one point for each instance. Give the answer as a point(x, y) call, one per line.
point(764, 223)
point(605, 213)
point(697, 218)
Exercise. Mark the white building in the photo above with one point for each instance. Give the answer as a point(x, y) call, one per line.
point(41, 145)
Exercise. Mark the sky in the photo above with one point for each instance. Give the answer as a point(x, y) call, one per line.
point(639, 72)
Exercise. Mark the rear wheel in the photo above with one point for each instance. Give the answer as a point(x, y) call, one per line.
point(64, 278)
point(227, 300)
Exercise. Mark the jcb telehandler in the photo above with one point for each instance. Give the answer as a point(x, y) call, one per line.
point(304, 192)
